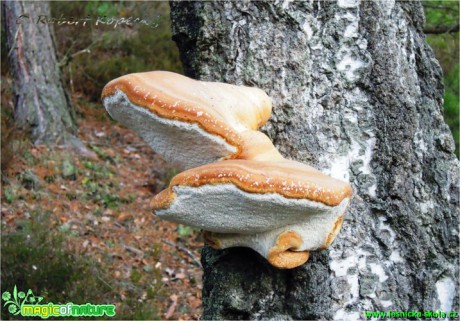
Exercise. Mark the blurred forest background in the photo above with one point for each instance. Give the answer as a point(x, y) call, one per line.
point(78, 228)
point(442, 25)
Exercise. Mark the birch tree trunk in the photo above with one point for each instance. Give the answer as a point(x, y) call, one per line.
point(357, 93)
point(41, 104)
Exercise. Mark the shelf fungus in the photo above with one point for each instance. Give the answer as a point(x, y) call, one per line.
point(236, 186)
point(189, 122)
point(281, 209)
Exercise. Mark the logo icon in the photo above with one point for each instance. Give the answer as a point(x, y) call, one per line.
point(16, 301)
point(28, 305)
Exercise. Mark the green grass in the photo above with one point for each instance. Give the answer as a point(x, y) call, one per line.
point(35, 258)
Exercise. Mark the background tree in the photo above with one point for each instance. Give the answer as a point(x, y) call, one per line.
point(41, 104)
point(357, 93)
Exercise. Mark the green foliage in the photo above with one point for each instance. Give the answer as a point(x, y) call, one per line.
point(113, 52)
point(138, 311)
point(445, 47)
point(184, 230)
point(33, 258)
point(451, 102)
point(102, 8)
point(168, 175)
point(9, 193)
point(441, 12)
point(99, 188)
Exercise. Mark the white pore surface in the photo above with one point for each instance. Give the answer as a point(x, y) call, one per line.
point(313, 230)
point(184, 144)
point(250, 219)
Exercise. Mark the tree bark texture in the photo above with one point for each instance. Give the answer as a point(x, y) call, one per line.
point(41, 103)
point(357, 93)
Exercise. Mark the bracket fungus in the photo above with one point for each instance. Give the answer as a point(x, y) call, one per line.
point(189, 122)
point(237, 187)
point(280, 209)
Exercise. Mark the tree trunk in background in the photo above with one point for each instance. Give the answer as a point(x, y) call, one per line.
point(41, 104)
point(357, 93)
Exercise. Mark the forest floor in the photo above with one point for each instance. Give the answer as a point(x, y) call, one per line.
point(102, 207)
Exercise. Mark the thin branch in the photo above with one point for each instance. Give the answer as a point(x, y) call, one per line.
point(440, 29)
point(14, 42)
point(69, 57)
point(183, 249)
point(134, 250)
